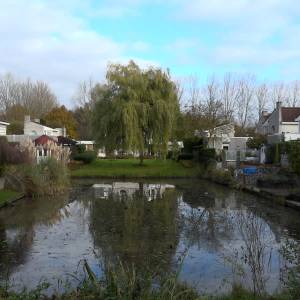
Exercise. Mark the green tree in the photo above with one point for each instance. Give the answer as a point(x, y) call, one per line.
point(61, 117)
point(257, 141)
point(136, 110)
point(15, 127)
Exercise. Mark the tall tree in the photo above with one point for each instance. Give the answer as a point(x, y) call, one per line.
point(245, 99)
point(136, 110)
point(35, 98)
point(60, 117)
point(83, 110)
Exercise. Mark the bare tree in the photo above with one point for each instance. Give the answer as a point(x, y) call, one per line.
point(229, 96)
point(211, 96)
point(9, 92)
point(43, 100)
point(83, 95)
point(294, 93)
point(262, 97)
point(34, 98)
point(279, 93)
point(245, 100)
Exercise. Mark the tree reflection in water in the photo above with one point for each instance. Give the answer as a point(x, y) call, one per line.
point(17, 228)
point(257, 249)
point(127, 226)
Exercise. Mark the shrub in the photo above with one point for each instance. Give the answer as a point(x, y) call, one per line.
point(205, 156)
point(15, 127)
point(293, 150)
point(10, 154)
point(190, 143)
point(185, 156)
point(86, 157)
point(257, 141)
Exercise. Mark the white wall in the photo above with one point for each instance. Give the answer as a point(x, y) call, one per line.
point(2, 129)
point(291, 127)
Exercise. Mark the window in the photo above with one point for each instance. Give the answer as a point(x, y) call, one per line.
point(225, 147)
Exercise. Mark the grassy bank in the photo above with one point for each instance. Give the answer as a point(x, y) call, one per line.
point(6, 196)
point(130, 168)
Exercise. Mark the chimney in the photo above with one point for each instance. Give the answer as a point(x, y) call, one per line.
point(264, 113)
point(278, 104)
point(27, 119)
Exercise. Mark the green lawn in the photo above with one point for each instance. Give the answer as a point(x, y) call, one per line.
point(130, 168)
point(6, 195)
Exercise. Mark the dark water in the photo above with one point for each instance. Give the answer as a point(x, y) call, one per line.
point(222, 236)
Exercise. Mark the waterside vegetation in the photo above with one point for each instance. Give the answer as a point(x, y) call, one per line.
point(6, 196)
point(124, 283)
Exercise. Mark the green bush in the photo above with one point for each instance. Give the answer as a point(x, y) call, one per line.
point(257, 141)
point(293, 150)
point(190, 143)
point(185, 156)
point(205, 156)
point(86, 157)
point(274, 151)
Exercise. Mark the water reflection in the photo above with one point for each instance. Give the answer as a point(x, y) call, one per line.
point(127, 190)
point(230, 236)
point(135, 230)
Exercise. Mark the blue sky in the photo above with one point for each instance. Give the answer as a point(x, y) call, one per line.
point(65, 41)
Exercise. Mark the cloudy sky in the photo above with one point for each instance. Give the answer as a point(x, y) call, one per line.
point(65, 41)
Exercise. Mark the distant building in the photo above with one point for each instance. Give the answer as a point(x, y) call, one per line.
point(88, 145)
point(280, 125)
point(222, 139)
point(35, 128)
point(219, 137)
point(3, 127)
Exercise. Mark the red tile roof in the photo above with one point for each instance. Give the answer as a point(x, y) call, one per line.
point(289, 114)
point(43, 140)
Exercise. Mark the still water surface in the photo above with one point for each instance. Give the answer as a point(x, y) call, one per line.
point(222, 236)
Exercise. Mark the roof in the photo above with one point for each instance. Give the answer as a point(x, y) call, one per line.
point(43, 140)
point(289, 114)
point(4, 123)
point(46, 127)
point(86, 142)
point(264, 118)
point(66, 141)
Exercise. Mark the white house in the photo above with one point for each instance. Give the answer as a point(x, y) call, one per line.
point(35, 128)
point(222, 139)
point(3, 127)
point(280, 125)
point(218, 138)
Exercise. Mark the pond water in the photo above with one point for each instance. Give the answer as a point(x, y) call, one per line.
point(216, 236)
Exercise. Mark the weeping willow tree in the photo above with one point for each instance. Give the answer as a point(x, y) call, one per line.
point(136, 110)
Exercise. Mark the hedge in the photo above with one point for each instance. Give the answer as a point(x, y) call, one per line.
point(86, 157)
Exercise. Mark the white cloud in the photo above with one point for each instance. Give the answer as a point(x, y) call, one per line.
point(46, 42)
point(247, 32)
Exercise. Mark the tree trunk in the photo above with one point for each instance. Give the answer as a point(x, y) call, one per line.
point(141, 157)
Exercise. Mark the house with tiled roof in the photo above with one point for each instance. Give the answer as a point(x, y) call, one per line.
point(280, 125)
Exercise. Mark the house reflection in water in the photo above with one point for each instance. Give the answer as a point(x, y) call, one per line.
point(126, 190)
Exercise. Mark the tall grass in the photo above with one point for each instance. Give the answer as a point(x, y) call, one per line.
point(122, 282)
point(49, 177)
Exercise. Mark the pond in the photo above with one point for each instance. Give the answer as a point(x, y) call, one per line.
point(214, 235)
